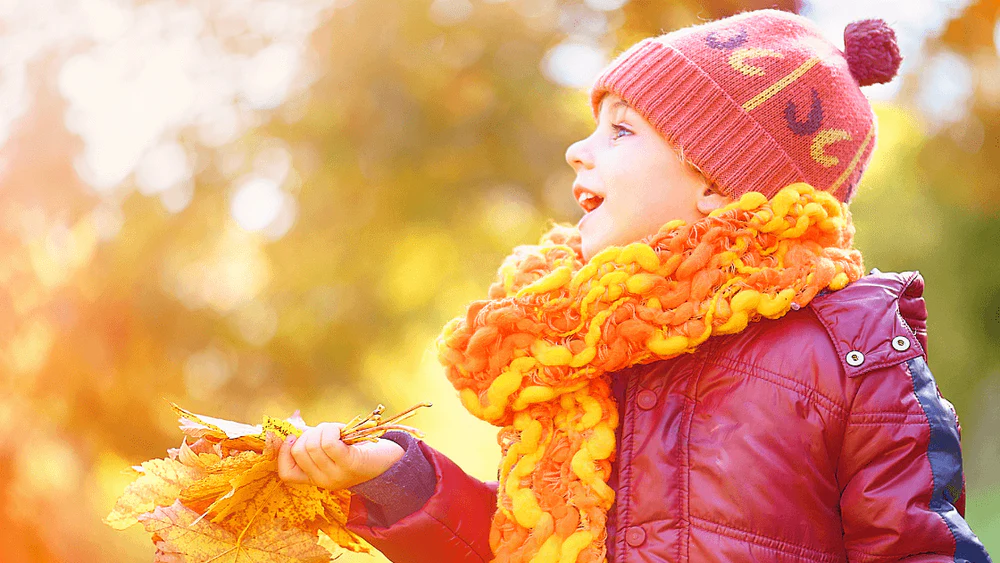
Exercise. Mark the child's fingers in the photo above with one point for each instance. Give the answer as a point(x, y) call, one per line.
point(302, 457)
point(333, 446)
point(317, 452)
point(288, 470)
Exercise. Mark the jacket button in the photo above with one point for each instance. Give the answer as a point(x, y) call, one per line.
point(646, 399)
point(635, 536)
point(855, 358)
point(901, 343)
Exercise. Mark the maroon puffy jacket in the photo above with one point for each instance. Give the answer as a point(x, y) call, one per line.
point(821, 436)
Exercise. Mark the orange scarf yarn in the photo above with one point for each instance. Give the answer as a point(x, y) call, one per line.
point(537, 356)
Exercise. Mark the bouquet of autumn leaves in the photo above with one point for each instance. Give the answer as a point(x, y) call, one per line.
point(219, 498)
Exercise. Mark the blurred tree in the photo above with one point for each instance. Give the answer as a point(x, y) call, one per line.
point(428, 142)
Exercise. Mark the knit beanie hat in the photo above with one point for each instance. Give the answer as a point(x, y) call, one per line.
point(760, 100)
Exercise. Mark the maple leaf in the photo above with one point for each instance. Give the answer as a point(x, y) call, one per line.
point(340, 537)
point(200, 446)
point(232, 435)
point(159, 484)
point(259, 490)
point(203, 457)
point(216, 480)
point(283, 428)
point(181, 537)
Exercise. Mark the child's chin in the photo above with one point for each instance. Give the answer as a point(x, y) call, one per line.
point(589, 247)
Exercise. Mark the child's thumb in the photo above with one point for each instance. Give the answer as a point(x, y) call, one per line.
point(376, 457)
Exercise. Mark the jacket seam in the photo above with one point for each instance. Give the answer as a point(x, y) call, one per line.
point(625, 468)
point(888, 412)
point(884, 418)
point(781, 546)
point(691, 402)
point(882, 422)
point(870, 555)
point(809, 393)
point(455, 534)
point(840, 453)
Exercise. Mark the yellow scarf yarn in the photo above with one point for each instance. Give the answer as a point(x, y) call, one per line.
point(536, 357)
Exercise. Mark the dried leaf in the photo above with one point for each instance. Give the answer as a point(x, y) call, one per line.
point(216, 480)
point(189, 457)
point(161, 481)
point(282, 428)
point(233, 435)
point(180, 537)
point(197, 425)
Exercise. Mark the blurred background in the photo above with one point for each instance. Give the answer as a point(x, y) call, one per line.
point(249, 207)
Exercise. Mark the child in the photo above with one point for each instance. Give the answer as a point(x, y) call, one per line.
point(699, 371)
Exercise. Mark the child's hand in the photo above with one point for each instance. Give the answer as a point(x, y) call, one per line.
point(318, 457)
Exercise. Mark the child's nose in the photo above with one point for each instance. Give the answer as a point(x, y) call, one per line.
point(578, 155)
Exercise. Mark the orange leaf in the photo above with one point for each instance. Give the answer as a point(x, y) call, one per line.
point(180, 537)
point(159, 484)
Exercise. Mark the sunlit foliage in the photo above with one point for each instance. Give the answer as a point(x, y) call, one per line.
point(253, 206)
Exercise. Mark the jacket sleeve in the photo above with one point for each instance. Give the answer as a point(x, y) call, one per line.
point(451, 525)
point(400, 490)
point(903, 489)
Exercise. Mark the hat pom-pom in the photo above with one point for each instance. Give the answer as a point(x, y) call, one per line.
point(871, 51)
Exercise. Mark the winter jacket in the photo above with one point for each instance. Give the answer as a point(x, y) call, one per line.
point(821, 436)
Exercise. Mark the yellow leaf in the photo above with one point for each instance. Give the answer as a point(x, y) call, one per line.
point(189, 457)
point(216, 480)
point(159, 484)
point(236, 435)
point(282, 428)
point(198, 425)
point(339, 536)
point(180, 536)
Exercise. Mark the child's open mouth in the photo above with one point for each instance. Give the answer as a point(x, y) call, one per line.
point(587, 199)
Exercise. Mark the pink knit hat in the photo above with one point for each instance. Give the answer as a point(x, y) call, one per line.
point(760, 100)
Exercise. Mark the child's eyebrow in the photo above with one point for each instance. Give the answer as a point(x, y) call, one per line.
point(621, 105)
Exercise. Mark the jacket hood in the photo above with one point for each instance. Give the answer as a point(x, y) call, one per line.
point(877, 321)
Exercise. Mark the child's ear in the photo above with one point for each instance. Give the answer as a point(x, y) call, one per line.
point(710, 200)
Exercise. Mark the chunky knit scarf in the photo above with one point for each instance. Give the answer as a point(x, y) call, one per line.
point(536, 357)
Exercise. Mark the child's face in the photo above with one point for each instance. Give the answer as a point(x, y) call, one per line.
point(640, 180)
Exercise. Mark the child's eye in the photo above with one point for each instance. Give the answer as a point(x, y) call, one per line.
point(618, 129)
